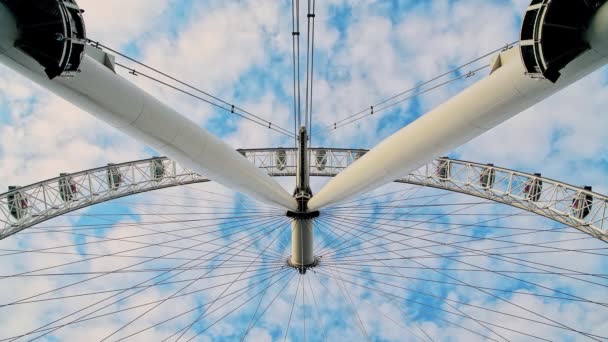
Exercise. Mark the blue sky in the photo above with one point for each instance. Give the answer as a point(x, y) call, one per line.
point(367, 51)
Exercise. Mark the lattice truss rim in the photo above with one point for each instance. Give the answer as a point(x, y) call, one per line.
point(574, 206)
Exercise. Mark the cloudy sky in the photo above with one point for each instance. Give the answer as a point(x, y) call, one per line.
point(366, 51)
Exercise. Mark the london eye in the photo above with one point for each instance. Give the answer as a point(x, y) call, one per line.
point(303, 240)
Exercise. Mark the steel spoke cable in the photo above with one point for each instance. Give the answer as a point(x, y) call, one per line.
point(498, 239)
point(582, 299)
point(406, 195)
point(349, 300)
point(146, 245)
point(468, 316)
point(109, 298)
point(200, 306)
point(255, 120)
point(228, 107)
point(178, 213)
point(99, 226)
point(491, 255)
point(409, 195)
point(169, 232)
point(460, 313)
point(264, 253)
point(293, 304)
point(375, 215)
point(460, 255)
point(233, 293)
point(392, 297)
point(430, 220)
point(303, 306)
point(233, 264)
point(189, 213)
point(226, 315)
point(422, 92)
point(270, 303)
point(94, 255)
point(141, 283)
point(395, 322)
point(468, 264)
point(295, 60)
point(554, 325)
point(118, 224)
point(143, 289)
point(244, 201)
point(252, 210)
point(494, 295)
point(316, 308)
point(243, 227)
point(180, 249)
point(298, 84)
point(389, 295)
point(324, 231)
point(310, 55)
point(257, 308)
point(401, 276)
point(362, 265)
point(227, 288)
point(477, 238)
point(236, 262)
point(465, 225)
point(455, 254)
point(238, 292)
point(417, 87)
point(361, 199)
point(278, 226)
point(376, 225)
point(377, 309)
point(264, 268)
point(155, 232)
point(378, 207)
point(90, 318)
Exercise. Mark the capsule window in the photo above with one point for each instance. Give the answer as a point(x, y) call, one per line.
point(114, 177)
point(67, 188)
point(157, 169)
point(582, 204)
point(534, 188)
point(281, 160)
point(443, 169)
point(321, 159)
point(488, 177)
point(17, 203)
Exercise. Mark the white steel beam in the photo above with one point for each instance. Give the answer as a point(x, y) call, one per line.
point(98, 90)
point(506, 92)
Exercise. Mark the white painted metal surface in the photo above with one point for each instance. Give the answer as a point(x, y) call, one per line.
point(98, 90)
point(302, 243)
point(506, 92)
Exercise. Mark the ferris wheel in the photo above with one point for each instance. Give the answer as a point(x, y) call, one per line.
point(399, 244)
